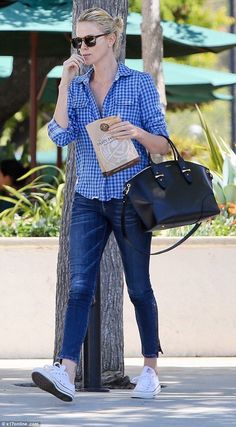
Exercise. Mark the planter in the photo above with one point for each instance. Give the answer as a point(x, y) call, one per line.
point(194, 285)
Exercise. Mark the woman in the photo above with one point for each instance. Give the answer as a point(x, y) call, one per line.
point(108, 88)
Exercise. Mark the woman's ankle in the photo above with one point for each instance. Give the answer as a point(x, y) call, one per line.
point(151, 362)
point(71, 367)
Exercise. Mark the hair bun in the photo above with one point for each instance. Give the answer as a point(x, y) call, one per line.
point(119, 23)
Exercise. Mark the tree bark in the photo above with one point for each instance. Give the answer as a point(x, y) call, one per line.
point(111, 266)
point(152, 51)
point(152, 45)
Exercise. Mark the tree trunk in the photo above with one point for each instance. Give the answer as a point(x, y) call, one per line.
point(111, 266)
point(152, 45)
point(11, 98)
point(152, 50)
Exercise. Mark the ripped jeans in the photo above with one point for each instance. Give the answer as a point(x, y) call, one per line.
point(92, 221)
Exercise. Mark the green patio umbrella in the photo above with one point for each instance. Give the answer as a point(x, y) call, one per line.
point(179, 39)
point(184, 84)
point(52, 21)
point(46, 16)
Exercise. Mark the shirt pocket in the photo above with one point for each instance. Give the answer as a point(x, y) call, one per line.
point(126, 108)
point(81, 103)
point(82, 109)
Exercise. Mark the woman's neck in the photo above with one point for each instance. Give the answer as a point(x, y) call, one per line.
point(104, 71)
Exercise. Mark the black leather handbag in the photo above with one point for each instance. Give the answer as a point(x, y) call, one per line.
point(170, 194)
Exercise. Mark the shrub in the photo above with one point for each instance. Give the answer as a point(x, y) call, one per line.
point(36, 207)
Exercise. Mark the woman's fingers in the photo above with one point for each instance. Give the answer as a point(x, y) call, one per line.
point(71, 66)
point(123, 130)
point(74, 60)
point(118, 126)
point(123, 137)
point(124, 134)
point(78, 57)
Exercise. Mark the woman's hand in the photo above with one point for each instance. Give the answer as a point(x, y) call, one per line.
point(155, 144)
point(70, 68)
point(124, 130)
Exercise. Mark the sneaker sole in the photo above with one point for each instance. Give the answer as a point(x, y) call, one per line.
point(45, 384)
point(142, 395)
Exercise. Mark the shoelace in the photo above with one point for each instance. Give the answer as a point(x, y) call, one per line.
point(144, 377)
point(145, 381)
point(55, 368)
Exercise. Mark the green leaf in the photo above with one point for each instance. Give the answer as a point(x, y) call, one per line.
point(9, 199)
point(49, 190)
point(229, 170)
point(217, 154)
point(59, 197)
point(230, 193)
point(38, 168)
point(17, 194)
point(225, 147)
point(5, 213)
point(41, 201)
point(219, 193)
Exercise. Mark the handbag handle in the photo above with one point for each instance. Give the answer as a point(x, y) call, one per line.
point(169, 248)
point(174, 149)
point(186, 172)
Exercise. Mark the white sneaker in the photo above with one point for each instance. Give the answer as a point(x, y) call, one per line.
point(147, 384)
point(55, 380)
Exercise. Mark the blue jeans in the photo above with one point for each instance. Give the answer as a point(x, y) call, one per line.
point(92, 221)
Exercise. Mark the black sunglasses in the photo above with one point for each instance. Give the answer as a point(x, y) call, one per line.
point(90, 41)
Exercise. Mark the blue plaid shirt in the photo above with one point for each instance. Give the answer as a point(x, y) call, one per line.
point(133, 96)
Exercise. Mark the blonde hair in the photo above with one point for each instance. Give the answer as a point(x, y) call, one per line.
point(106, 21)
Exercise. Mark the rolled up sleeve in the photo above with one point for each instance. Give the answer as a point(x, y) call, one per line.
point(63, 136)
point(152, 117)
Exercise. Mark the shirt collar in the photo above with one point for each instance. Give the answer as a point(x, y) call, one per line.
point(122, 70)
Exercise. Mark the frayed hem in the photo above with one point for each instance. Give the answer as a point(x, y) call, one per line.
point(152, 356)
point(60, 358)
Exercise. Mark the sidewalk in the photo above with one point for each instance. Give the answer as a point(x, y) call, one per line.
point(196, 392)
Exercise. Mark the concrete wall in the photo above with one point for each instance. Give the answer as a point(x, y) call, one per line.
point(194, 284)
point(27, 296)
